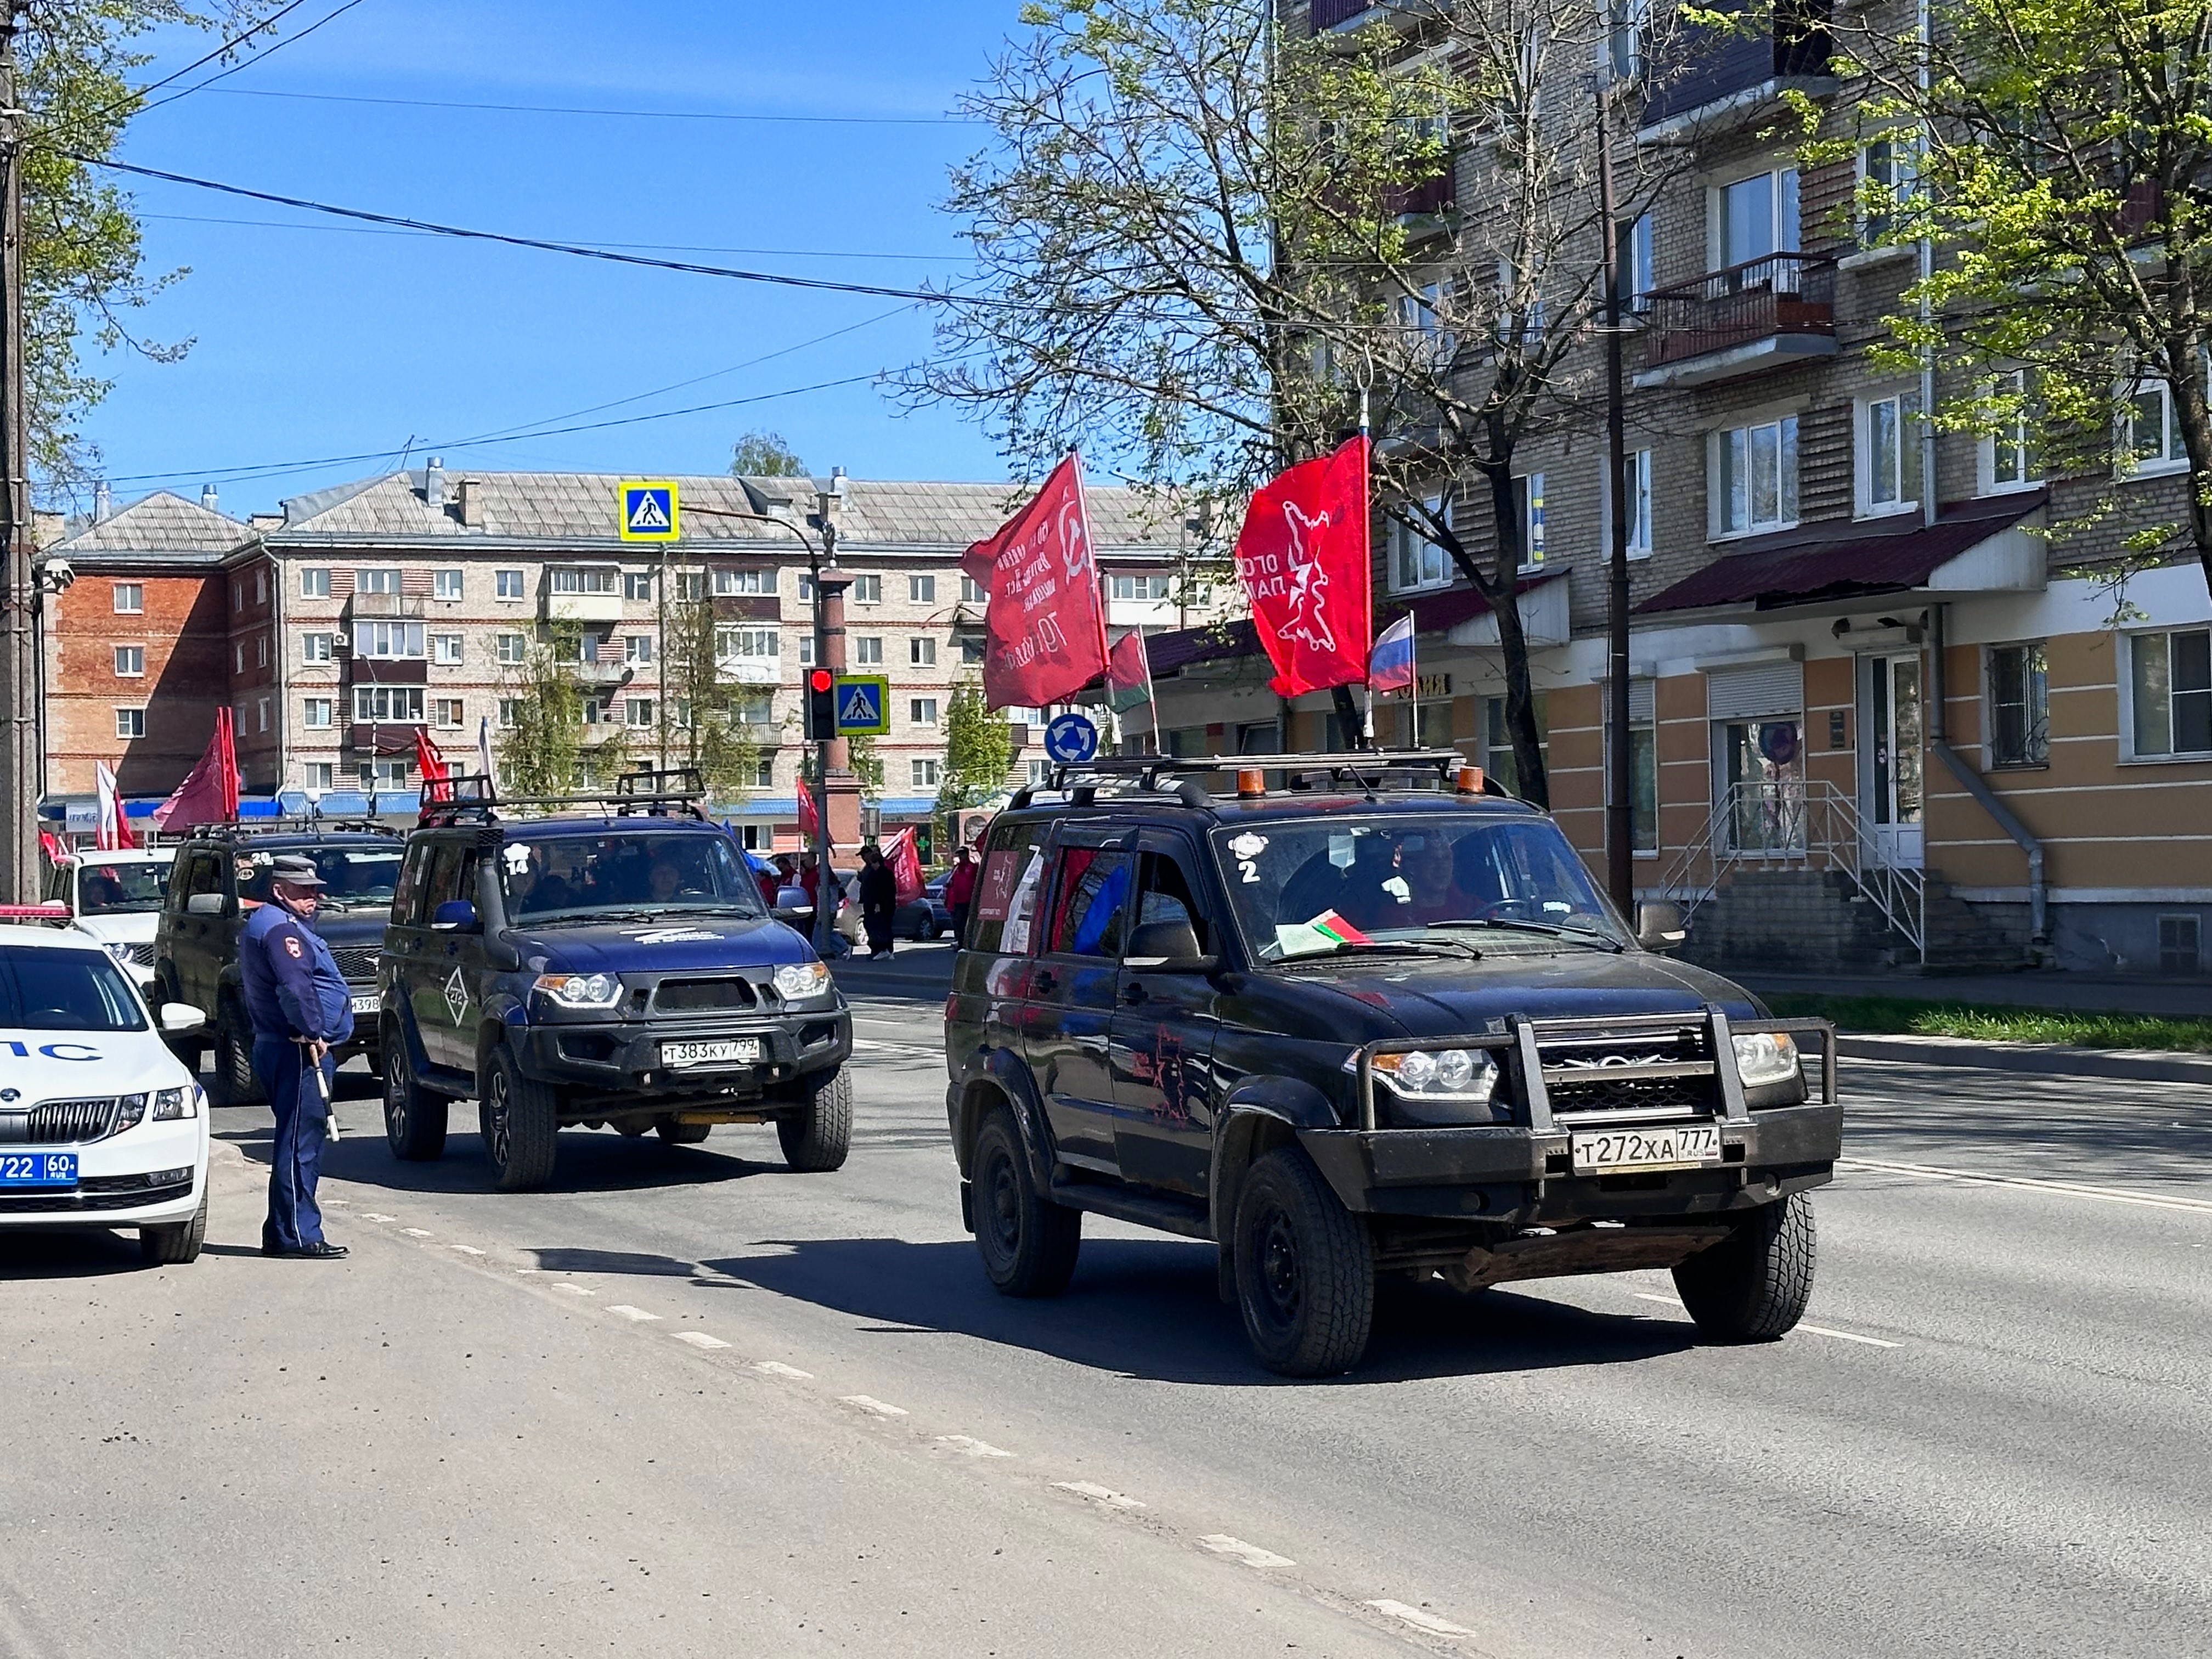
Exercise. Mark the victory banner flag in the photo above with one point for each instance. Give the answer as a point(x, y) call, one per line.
point(905, 861)
point(1302, 556)
point(1045, 629)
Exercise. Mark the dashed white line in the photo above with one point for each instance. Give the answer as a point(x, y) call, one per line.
point(2034, 1184)
point(629, 1312)
point(973, 1447)
point(701, 1340)
point(572, 1290)
point(465, 1249)
point(1815, 1330)
point(870, 1403)
point(777, 1368)
point(1250, 1554)
point(1099, 1494)
point(417, 1232)
point(1418, 1619)
point(371, 1215)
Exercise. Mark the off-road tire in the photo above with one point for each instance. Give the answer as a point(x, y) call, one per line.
point(682, 1134)
point(818, 1134)
point(1305, 1269)
point(231, 1081)
point(175, 1242)
point(521, 1119)
point(1754, 1286)
point(1028, 1244)
point(413, 1116)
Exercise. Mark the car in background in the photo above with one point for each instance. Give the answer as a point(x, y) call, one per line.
point(101, 1124)
point(117, 898)
point(922, 918)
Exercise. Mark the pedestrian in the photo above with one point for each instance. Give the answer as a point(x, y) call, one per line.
point(879, 900)
point(960, 892)
point(769, 882)
point(298, 1003)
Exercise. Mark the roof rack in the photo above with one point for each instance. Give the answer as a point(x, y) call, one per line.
point(1366, 770)
point(293, 823)
point(646, 792)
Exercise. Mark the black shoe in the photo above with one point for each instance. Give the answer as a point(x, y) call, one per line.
point(320, 1250)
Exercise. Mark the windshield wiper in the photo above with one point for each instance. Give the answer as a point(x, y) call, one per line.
point(1387, 947)
point(1553, 929)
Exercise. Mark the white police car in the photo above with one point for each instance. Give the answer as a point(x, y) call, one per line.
point(100, 1125)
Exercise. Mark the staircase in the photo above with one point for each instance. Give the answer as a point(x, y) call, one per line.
point(1962, 939)
point(1795, 919)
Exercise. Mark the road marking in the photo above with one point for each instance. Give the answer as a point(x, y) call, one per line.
point(1815, 1330)
point(465, 1249)
point(777, 1368)
point(417, 1232)
point(572, 1290)
point(1250, 1554)
point(1418, 1619)
point(1097, 1493)
point(872, 1045)
point(2031, 1183)
point(371, 1215)
point(973, 1447)
point(870, 1403)
point(629, 1312)
point(701, 1340)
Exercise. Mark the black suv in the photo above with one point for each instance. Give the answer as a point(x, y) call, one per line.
point(1363, 1015)
point(220, 873)
point(608, 961)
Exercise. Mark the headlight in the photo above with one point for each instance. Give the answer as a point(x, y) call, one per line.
point(118, 950)
point(1763, 1057)
point(581, 990)
point(176, 1103)
point(129, 1111)
point(1469, 1074)
point(799, 980)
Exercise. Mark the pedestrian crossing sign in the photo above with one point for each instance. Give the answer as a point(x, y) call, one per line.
point(645, 511)
point(862, 700)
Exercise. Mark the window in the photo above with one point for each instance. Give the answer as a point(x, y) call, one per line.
point(921, 711)
point(315, 648)
point(238, 657)
point(745, 581)
point(447, 711)
point(924, 774)
point(758, 708)
point(2151, 440)
point(748, 642)
point(868, 652)
point(637, 647)
point(384, 638)
point(261, 715)
point(376, 581)
point(399, 705)
point(764, 775)
point(1756, 216)
point(1528, 507)
point(316, 714)
point(2008, 457)
point(130, 722)
point(637, 711)
point(510, 712)
point(261, 651)
point(1522, 306)
point(637, 584)
point(383, 775)
point(2170, 678)
point(971, 650)
point(1144, 590)
point(806, 651)
point(131, 660)
point(314, 581)
point(238, 593)
point(130, 599)
point(921, 590)
point(1887, 169)
point(445, 649)
point(506, 584)
point(922, 652)
point(1040, 773)
point(318, 775)
point(679, 713)
point(572, 579)
point(446, 584)
point(1636, 281)
point(1497, 742)
point(1755, 477)
point(867, 589)
point(973, 591)
point(1890, 431)
point(1638, 466)
point(1622, 52)
point(1088, 902)
point(2180, 944)
point(1642, 768)
point(2019, 705)
point(511, 649)
point(1415, 560)
point(806, 588)
point(261, 585)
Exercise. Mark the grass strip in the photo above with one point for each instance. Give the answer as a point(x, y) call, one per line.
point(1996, 1022)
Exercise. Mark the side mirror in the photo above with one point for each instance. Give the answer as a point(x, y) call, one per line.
point(203, 904)
point(1659, 925)
point(180, 1019)
point(1167, 947)
point(454, 916)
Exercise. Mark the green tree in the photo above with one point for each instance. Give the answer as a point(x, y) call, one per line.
point(550, 748)
point(710, 737)
point(978, 748)
point(765, 455)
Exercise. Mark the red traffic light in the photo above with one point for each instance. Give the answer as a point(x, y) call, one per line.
point(818, 680)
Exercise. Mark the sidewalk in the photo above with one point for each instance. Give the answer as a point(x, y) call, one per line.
point(2090, 993)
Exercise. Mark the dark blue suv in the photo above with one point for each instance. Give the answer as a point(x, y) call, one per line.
point(608, 963)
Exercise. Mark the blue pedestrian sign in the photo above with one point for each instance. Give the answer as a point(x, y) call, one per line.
point(861, 700)
point(645, 510)
point(1071, 739)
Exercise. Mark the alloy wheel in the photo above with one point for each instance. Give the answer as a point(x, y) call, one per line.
point(496, 1114)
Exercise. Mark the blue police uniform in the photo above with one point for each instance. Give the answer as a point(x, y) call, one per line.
point(294, 991)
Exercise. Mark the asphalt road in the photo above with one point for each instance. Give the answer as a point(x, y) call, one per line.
point(689, 1400)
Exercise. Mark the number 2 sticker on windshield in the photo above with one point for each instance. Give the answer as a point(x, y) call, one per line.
point(1246, 850)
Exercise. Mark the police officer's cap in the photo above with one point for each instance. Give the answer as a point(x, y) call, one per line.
point(294, 869)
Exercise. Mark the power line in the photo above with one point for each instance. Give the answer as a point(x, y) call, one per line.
point(279, 45)
point(136, 94)
point(634, 114)
point(655, 248)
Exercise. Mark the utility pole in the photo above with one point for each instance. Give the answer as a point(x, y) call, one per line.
point(21, 765)
point(1620, 767)
point(828, 585)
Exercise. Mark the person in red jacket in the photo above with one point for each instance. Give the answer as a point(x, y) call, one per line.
point(960, 891)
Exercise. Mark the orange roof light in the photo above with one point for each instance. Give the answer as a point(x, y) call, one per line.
point(1251, 783)
point(1470, 779)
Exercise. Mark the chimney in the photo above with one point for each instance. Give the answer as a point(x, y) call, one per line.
point(434, 484)
point(207, 498)
point(103, 502)
point(470, 492)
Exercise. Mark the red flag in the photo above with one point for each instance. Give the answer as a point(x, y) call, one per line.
point(209, 793)
point(1128, 673)
point(808, 818)
point(1046, 626)
point(111, 831)
point(52, 845)
point(906, 864)
point(1302, 556)
point(437, 780)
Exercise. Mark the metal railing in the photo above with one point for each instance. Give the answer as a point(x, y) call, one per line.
point(1797, 825)
point(1778, 294)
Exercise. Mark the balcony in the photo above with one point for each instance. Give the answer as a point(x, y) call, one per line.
point(379, 605)
point(583, 593)
point(1426, 208)
point(1350, 16)
point(1709, 81)
point(1743, 320)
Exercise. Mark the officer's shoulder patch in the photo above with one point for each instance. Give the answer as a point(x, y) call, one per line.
point(292, 944)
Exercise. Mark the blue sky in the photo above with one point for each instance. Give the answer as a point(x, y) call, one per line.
point(315, 341)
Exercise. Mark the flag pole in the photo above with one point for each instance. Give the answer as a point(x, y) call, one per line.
point(1367, 519)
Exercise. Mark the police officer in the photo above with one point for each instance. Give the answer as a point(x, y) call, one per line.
point(298, 1003)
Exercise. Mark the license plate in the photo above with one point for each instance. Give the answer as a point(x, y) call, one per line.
point(728, 1051)
point(1675, 1147)
point(38, 1169)
point(367, 1003)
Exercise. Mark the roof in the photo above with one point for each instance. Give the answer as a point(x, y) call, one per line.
point(71, 938)
point(1843, 561)
point(161, 523)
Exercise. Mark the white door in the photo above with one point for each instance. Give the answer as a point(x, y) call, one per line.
point(1892, 760)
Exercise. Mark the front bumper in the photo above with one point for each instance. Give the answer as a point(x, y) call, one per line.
point(623, 1057)
point(113, 1189)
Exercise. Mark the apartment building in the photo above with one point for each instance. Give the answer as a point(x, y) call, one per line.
point(1881, 711)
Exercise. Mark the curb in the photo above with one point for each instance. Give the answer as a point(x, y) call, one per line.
point(2133, 1065)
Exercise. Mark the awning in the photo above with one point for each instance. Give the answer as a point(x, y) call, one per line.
point(1979, 539)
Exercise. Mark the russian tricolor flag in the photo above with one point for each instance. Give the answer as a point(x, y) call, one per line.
point(1390, 667)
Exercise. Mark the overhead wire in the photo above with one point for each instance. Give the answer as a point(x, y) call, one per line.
point(275, 46)
point(655, 248)
point(633, 114)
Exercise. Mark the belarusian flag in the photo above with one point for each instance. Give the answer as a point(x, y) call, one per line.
point(1331, 924)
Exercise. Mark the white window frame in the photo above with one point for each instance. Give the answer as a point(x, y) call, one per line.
point(637, 647)
point(1721, 441)
point(868, 650)
point(1636, 278)
point(730, 581)
point(511, 649)
point(1528, 501)
point(1404, 544)
point(364, 696)
point(923, 773)
point(1870, 473)
point(1620, 42)
point(509, 708)
point(261, 714)
point(690, 586)
point(732, 643)
point(973, 591)
point(637, 585)
point(130, 662)
point(922, 652)
point(586, 580)
point(314, 581)
point(238, 657)
point(130, 724)
point(261, 651)
point(326, 707)
point(1721, 257)
point(449, 585)
point(318, 647)
point(448, 650)
point(867, 589)
point(1986, 480)
point(130, 599)
point(1903, 161)
point(320, 775)
point(2171, 458)
point(378, 581)
point(2131, 747)
point(1639, 504)
point(637, 711)
point(921, 587)
point(509, 585)
point(400, 642)
point(921, 713)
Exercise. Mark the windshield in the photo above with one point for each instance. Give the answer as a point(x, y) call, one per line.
point(118, 889)
point(616, 873)
point(65, 991)
point(1315, 886)
point(353, 877)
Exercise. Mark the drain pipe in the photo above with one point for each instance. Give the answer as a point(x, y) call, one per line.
point(1977, 786)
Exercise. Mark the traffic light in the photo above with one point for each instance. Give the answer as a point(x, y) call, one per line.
point(821, 704)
